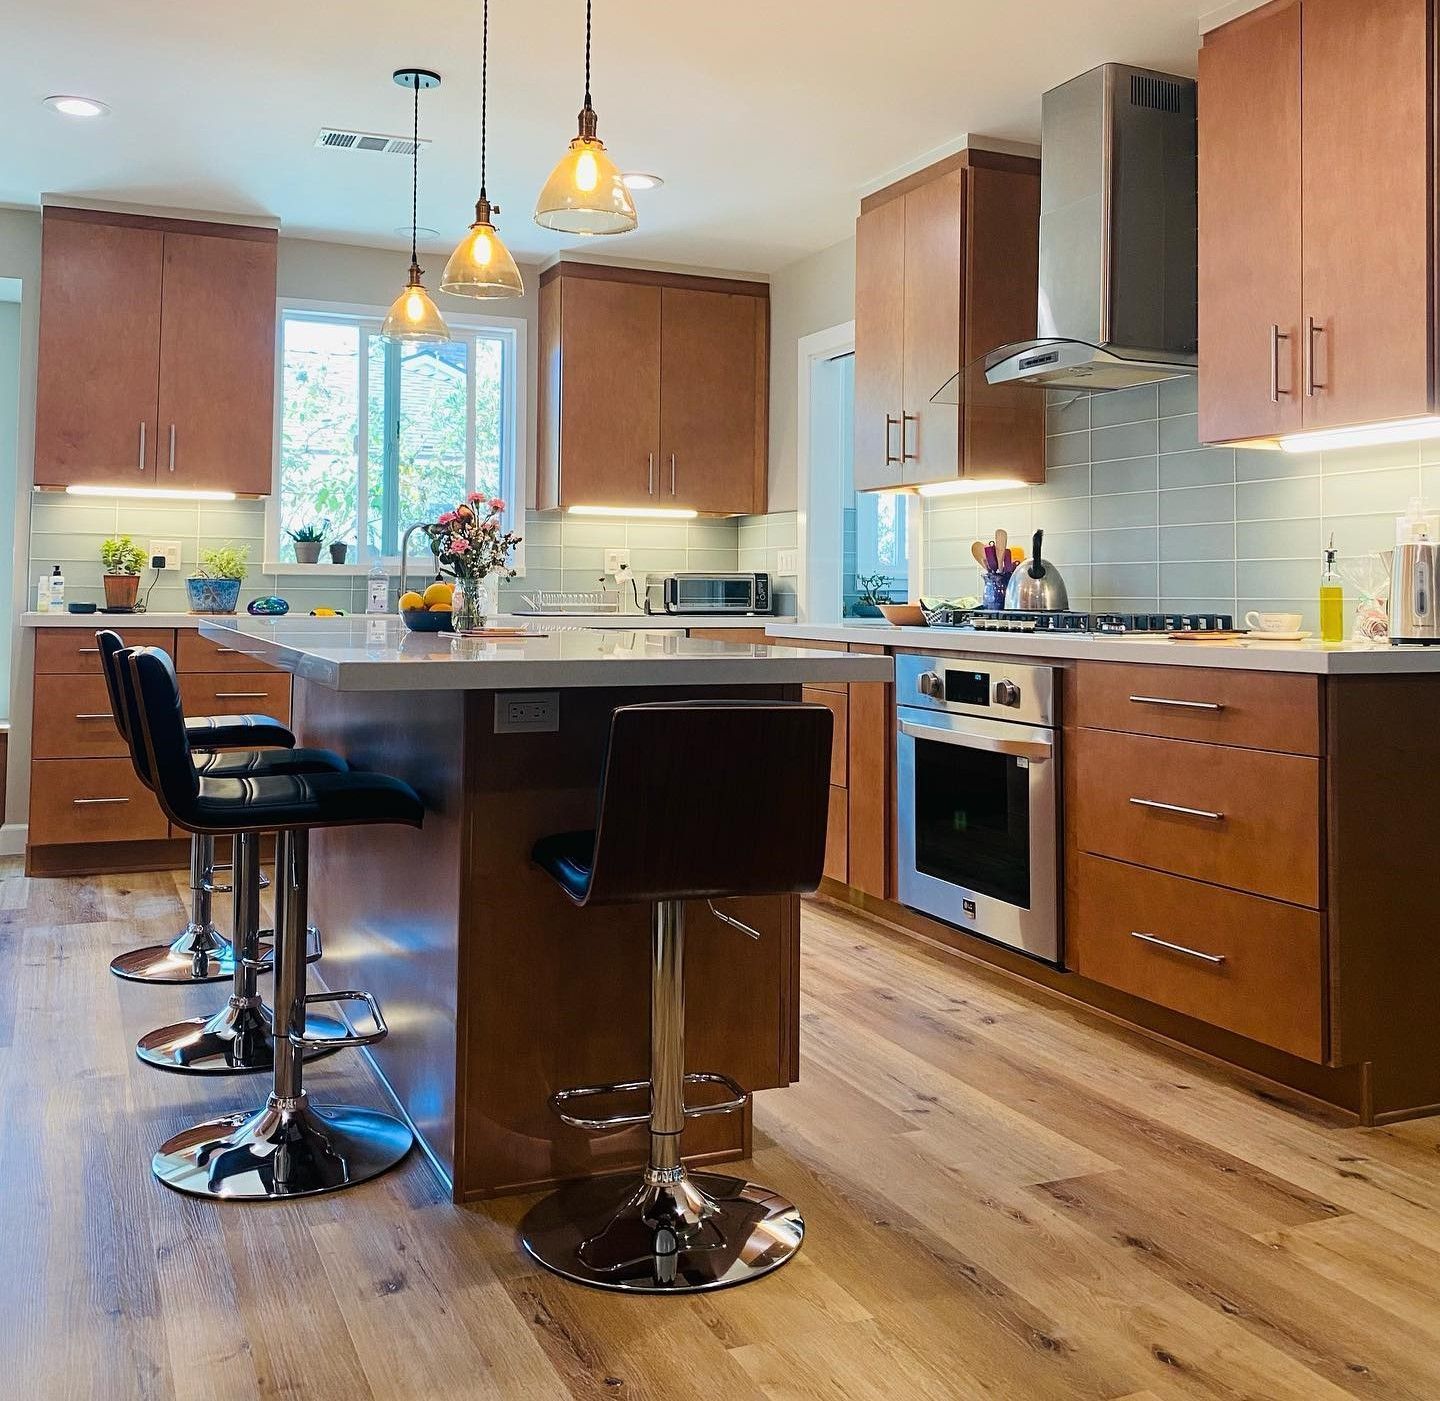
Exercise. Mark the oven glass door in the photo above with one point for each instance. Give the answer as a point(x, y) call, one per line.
point(977, 826)
point(713, 595)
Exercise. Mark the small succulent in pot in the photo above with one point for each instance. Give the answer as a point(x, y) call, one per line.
point(339, 549)
point(122, 559)
point(307, 541)
point(215, 585)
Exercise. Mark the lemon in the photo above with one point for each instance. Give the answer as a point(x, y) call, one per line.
point(410, 601)
point(439, 608)
point(438, 592)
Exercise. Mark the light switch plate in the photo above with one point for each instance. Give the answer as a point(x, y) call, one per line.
point(527, 712)
point(787, 563)
point(614, 559)
point(169, 548)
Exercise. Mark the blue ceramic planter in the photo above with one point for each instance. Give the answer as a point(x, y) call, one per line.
point(213, 595)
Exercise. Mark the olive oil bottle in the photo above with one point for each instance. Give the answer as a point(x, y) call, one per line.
point(1332, 599)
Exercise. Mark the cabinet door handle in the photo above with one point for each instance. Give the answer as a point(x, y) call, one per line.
point(95, 802)
point(1175, 807)
point(1178, 704)
point(1311, 331)
point(1216, 958)
point(226, 651)
point(904, 455)
point(672, 474)
point(889, 424)
point(142, 446)
point(650, 488)
point(242, 695)
point(1276, 336)
point(172, 447)
point(95, 715)
point(93, 651)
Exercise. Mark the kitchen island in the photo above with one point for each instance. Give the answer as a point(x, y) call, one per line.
point(497, 990)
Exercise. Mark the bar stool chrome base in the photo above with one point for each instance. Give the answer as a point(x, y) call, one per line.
point(237, 1039)
point(199, 955)
point(290, 1148)
point(681, 1236)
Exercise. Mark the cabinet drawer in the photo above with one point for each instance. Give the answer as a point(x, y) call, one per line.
point(75, 649)
point(839, 703)
point(73, 719)
point(238, 693)
point(1235, 817)
point(1249, 965)
point(91, 800)
point(196, 653)
point(837, 836)
point(1254, 710)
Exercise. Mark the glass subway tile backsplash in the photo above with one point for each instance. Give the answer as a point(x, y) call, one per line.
point(1141, 517)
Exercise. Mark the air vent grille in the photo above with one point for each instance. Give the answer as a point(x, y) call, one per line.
point(339, 139)
point(1158, 94)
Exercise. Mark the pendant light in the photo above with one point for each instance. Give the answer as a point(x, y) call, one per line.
point(413, 316)
point(585, 194)
point(481, 265)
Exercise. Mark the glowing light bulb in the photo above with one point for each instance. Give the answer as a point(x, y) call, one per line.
point(415, 306)
point(483, 249)
point(587, 171)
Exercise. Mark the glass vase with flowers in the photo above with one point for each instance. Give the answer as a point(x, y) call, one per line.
point(471, 543)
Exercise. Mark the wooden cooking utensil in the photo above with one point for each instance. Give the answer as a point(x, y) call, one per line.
point(978, 551)
point(1001, 540)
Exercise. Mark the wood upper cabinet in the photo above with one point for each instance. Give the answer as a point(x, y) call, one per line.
point(95, 398)
point(157, 353)
point(653, 391)
point(1317, 255)
point(946, 270)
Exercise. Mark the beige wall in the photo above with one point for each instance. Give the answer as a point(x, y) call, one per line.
point(807, 296)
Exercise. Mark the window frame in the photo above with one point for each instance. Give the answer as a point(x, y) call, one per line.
point(514, 434)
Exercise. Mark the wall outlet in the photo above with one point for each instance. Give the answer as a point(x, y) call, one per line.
point(614, 559)
point(169, 549)
point(787, 563)
point(527, 712)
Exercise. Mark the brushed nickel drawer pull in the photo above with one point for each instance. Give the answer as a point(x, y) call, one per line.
point(1178, 704)
point(95, 715)
point(1216, 958)
point(227, 650)
point(95, 802)
point(242, 695)
point(94, 651)
point(1175, 807)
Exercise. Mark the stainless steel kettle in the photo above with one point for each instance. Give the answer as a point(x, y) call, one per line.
point(1035, 586)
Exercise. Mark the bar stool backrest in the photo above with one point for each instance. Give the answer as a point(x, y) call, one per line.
point(712, 798)
point(114, 663)
point(157, 720)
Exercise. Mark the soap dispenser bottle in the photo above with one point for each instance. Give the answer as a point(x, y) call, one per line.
point(1332, 599)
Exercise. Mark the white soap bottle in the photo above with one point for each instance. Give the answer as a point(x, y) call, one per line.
point(57, 590)
point(377, 596)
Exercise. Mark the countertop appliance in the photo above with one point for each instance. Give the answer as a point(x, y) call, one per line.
point(978, 791)
point(694, 592)
point(1036, 585)
point(1118, 281)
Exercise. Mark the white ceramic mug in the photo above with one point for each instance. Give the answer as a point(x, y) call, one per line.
point(1273, 622)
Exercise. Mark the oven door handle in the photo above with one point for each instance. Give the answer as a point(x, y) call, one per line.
point(1036, 751)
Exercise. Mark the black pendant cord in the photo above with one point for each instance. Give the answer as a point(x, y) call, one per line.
point(415, 177)
point(587, 52)
point(484, 92)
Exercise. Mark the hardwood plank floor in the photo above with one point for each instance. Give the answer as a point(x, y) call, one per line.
point(1005, 1198)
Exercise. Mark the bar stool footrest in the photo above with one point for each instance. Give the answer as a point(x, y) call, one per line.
point(314, 950)
point(739, 1098)
point(353, 1038)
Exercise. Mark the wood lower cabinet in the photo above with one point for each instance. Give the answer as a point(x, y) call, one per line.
point(157, 353)
point(1317, 249)
point(88, 812)
point(653, 391)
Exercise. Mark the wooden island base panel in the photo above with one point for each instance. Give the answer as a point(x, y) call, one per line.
point(498, 991)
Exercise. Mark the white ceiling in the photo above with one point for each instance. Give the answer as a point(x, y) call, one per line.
point(766, 119)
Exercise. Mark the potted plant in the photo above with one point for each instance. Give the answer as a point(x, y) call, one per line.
point(215, 585)
point(307, 541)
point(122, 560)
point(338, 550)
point(874, 590)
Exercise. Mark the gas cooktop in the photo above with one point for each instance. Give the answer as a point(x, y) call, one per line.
point(1102, 624)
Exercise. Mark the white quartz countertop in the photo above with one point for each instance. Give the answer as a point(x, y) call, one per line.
point(588, 620)
point(118, 621)
point(380, 654)
point(1324, 659)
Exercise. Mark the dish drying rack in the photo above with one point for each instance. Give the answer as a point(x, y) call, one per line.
point(572, 601)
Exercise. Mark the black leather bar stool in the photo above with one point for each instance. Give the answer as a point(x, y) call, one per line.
point(201, 953)
point(240, 1036)
point(289, 1147)
point(699, 800)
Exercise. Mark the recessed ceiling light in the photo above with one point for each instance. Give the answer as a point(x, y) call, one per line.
point(77, 106)
point(639, 180)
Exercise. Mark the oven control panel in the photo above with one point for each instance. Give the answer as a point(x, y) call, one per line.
point(978, 686)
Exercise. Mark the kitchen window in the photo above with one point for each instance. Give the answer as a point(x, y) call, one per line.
point(374, 435)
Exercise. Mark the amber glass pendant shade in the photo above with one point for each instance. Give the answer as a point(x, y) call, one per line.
point(481, 265)
point(585, 194)
point(413, 316)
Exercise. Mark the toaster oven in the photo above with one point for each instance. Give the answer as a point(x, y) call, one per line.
point(707, 593)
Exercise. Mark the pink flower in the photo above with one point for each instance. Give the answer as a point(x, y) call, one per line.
point(446, 519)
point(459, 545)
point(476, 496)
point(496, 504)
point(490, 524)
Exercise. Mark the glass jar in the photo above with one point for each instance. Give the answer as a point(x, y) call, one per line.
point(470, 605)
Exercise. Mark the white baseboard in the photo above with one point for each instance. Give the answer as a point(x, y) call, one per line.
point(13, 837)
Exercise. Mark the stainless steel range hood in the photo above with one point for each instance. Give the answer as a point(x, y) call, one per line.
point(1117, 235)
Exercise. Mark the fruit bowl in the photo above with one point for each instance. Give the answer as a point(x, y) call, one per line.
point(426, 620)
